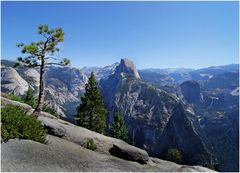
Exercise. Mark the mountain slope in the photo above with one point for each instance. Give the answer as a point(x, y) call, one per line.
point(155, 119)
point(64, 85)
point(218, 116)
point(155, 108)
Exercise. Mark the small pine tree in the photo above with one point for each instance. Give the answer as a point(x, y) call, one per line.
point(118, 127)
point(174, 155)
point(91, 111)
point(29, 98)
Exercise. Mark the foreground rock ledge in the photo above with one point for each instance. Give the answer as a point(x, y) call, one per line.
point(65, 151)
point(62, 155)
point(106, 145)
point(81, 136)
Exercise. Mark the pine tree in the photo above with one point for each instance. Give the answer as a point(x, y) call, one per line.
point(29, 98)
point(118, 128)
point(41, 54)
point(91, 111)
point(174, 155)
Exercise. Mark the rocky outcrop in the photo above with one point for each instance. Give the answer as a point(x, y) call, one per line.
point(11, 81)
point(126, 68)
point(31, 76)
point(5, 101)
point(81, 135)
point(191, 91)
point(60, 155)
point(65, 151)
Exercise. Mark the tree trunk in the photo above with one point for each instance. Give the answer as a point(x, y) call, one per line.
point(41, 88)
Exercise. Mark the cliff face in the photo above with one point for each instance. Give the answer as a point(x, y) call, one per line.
point(156, 120)
point(12, 81)
point(126, 68)
point(191, 91)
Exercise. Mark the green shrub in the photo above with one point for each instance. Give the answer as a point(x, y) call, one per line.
point(15, 124)
point(30, 99)
point(174, 155)
point(118, 128)
point(13, 97)
point(91, 145)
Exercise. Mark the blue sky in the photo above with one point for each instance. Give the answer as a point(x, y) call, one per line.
point(152, 34)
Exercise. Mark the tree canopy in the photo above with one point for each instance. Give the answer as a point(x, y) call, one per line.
point(91, 112)
point(118, 128)
point(44, 49)
point(42, 54)
point(29, 98)
point(174, 155)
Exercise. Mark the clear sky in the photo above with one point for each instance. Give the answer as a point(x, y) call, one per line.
point(152, 34)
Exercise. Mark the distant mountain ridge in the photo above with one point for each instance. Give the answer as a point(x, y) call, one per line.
point(64, 85)
point(156, 107)
point(179, 75)
point(74, 79)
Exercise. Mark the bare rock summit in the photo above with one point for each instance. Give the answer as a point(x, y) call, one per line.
point(127, 67)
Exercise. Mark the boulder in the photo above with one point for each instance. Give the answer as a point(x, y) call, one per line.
point(129, 152)
point(55, 130)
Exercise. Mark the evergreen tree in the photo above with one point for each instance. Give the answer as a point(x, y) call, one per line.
point(91, 111)
point(29, 98)
point(174, 155)
point(41, 54)
point(118, 128)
